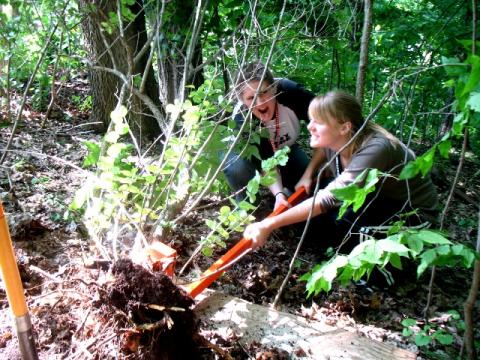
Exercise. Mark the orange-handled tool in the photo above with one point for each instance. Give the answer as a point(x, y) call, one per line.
point(219, 266)
point(14, 289)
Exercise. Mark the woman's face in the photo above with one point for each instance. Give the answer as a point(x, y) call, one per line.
point(328, 134)
point(264, 107)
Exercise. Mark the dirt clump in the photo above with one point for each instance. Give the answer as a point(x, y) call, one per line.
point(160, 323)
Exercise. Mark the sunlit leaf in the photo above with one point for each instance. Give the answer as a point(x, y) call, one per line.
point(93, 153)
point(474, 101)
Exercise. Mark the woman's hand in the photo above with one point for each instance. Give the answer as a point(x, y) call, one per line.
point(258, 232)
point(306, 182)
point(281, 199)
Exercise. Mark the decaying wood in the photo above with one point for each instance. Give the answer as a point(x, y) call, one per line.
point(276, 329)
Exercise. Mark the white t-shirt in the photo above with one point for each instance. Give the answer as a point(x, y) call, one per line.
point(289, 127)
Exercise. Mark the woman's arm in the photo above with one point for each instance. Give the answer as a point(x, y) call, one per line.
point(306, 180)
point(260, 231)
point(277, 191)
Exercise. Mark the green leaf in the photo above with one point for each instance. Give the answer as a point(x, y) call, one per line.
point(93, 153)
point(353, 194)
point(225, 210)
point(114, 150)
point(253, 186)
point(474, 77)
point(474, 101)
point(207, 251)
point(118, 114)
point(357, 250)
point(81, 196)
point(443, 250)
point(443, 338)
point(468, 257)
point(211, 224)
point(454, 66)
point(410, 170)
point(322, 276)
point(459, 122)
point(409, 322)
point(392, 246)
point(444, 148)
point(269, 178)
point(112, 137)
point(432, 237)
point(422, 339)
point(426, 161)
point(371, 254)
point(415, 243)
point(427, 258)
point(347, 193)
point(454, 313)
point(245, 205)
point(396, 261)
point(372, 178)
point(421, 164)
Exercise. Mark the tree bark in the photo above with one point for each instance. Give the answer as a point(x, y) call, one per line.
point(469, 305)
point(171, 57)
point(108, 50)
point(363, 63)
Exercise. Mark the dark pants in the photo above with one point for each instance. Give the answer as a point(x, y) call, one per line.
point(326, 230)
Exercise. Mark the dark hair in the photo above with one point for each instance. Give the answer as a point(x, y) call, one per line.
point(252, 72)
point(342, 107)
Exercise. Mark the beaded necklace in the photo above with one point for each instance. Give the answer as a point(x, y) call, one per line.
point(337, 165)
point(276, 136)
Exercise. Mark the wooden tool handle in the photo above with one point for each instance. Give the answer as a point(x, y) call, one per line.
point(237, 250)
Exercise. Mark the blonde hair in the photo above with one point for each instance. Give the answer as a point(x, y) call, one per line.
point(342, 107)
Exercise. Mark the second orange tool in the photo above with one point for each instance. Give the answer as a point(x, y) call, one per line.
point(218, 267)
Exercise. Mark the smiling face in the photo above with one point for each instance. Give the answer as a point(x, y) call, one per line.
point(264, 107)
point(328, 133)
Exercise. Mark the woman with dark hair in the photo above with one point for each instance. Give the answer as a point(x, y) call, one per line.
point(337, 129)
point(279, 106)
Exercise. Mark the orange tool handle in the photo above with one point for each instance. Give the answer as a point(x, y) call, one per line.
point(231, 255)
point(9, 269)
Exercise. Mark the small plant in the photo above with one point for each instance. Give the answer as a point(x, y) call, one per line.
point(125, 190)
point(40, 180)
point(354, 194)
point(428, 333)
point(226, 222)
point(82, 104)
point(235, 220)
point(41, 92)
point(426, 246)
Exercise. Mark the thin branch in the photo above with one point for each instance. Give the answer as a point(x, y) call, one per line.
point(145, 98)
point(53, 91)
point(443, 215)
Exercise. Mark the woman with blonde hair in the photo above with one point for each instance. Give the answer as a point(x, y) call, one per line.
point(351, 146)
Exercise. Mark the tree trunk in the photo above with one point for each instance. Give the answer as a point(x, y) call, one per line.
point(472, 295)
point(171, 57)
point(362, 65)
point(107, 50)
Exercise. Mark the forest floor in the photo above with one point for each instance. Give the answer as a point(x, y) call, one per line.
point(76, 310)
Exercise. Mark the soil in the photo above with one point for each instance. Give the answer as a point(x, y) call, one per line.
point(84, 311)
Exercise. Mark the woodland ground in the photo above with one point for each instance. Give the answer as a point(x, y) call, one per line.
point(74, 319)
